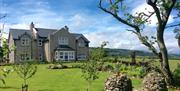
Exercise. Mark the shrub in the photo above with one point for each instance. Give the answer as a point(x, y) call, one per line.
point(142, 72)
point(107, 68)
point(76, 66)
point(176, 75)
point(57, 66)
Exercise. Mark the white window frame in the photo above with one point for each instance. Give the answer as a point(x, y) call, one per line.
point(63, 41)
point(71, 55)
point(60, 55)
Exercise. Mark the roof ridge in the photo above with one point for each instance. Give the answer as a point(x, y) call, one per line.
point(17, 29)
point(47, 28)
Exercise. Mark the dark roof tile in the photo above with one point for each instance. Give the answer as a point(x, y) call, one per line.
point(16, 33)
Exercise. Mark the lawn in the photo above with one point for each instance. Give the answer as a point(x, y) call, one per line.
point(61, 80)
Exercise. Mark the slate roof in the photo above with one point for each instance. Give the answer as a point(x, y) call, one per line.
point(16, 33)
point(77, 36)
point(44, 32)
point(64, 48)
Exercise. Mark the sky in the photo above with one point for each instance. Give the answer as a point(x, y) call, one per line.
point(82, 16)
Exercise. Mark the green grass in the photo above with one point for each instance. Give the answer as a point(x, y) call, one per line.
point(62, 80)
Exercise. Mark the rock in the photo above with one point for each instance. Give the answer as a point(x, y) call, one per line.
point(118, 82)
point(154, 81)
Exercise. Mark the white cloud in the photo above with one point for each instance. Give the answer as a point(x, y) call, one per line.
point(144, 7)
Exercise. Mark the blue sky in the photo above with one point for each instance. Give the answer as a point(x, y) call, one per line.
point(81, 16)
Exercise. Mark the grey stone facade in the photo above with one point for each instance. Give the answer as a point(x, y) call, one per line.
point(47, 44)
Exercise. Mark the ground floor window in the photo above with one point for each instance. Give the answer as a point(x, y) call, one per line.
point(40, 57)
point(81, 57)
point(25, 57)
point(64, 55)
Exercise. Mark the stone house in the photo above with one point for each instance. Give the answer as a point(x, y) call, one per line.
point(47, 45)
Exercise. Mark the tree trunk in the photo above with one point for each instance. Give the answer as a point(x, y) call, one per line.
point(133, 57)
point(24, 87)
point(164, 57)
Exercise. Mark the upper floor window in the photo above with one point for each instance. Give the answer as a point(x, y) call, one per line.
point(25, 41)
point(81, 44)
point(63, 41)
point(40, 42)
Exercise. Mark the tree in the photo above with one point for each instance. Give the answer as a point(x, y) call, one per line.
point(5, 49)
point(90, 72)
point(162, 10)
point(25, 70)
point(90, 68)
point(99, 52)
point(133, 57)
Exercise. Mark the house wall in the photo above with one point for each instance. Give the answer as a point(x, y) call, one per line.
point(40, 50)
point(20, 49)
point(11, 44)
point(47, 52)
point(82, 50)
point(54, 40)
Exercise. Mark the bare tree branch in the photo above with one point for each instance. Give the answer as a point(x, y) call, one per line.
point(169, 26)
point(154, 6)
point(3, 16)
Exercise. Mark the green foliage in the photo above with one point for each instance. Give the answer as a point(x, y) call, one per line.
point(5, 48)
point(176, 74)
point(98, 53)
point(90, 72)
point(5, 73)
point(134, 71)
point(25, 70)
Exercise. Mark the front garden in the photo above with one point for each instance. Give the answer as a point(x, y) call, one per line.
point(69, 79)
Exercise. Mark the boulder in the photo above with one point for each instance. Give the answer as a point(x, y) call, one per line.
point(154, 81)
point(118, 82)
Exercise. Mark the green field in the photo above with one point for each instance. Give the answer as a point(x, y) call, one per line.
point(62, 80)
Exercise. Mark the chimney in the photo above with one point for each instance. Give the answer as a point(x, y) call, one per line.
point(66, 28)
point(31, 26)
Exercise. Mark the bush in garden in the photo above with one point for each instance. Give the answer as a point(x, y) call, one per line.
point(57, 66)
point(176, 75)
point(107, 68)
point(143, 72)
point(76, 66)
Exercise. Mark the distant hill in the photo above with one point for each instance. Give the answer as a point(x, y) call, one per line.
point(127, 52)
